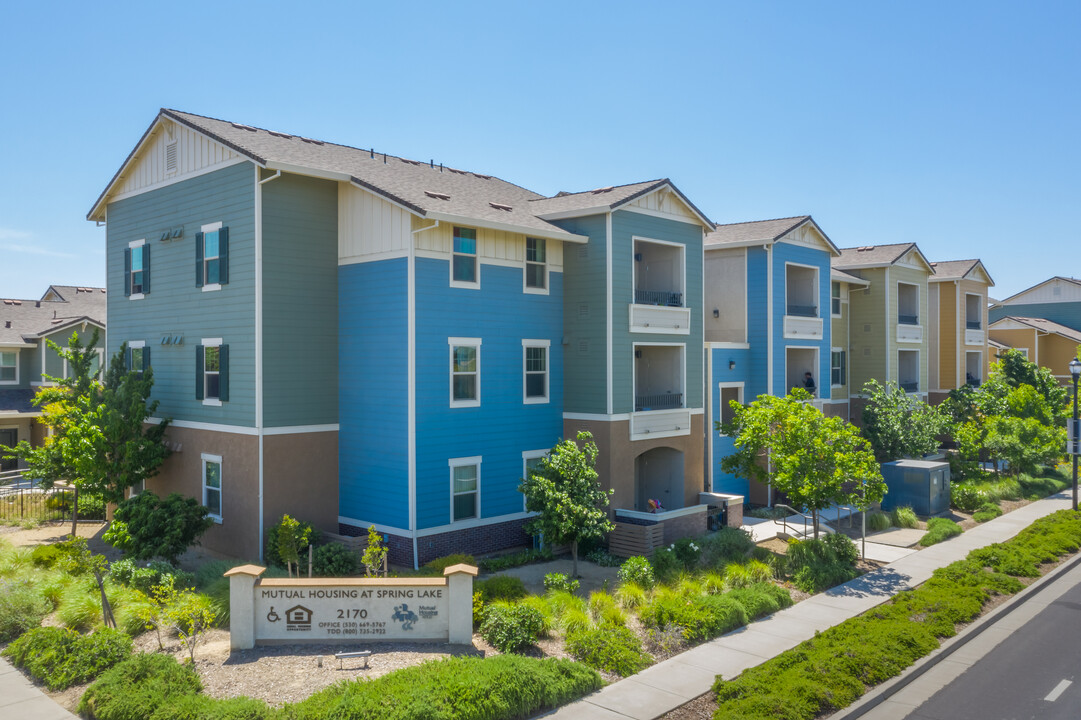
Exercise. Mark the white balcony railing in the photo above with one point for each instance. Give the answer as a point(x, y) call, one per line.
point(805, 328)
point(973, 337)
point(660, 424)
point(660, 319)
point(909, 333)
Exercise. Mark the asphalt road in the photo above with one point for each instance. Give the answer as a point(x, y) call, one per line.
point(1035, 673)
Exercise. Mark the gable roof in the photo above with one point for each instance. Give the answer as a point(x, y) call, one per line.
point(607, 199)
point(866, 256)
point(959, 270)
point(762, 232)
point(842, 276)
point(29, 320)
point(1042, 325)
point(423, 188)
point(1056, 278)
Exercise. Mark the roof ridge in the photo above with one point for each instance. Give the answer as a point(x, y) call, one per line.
point(878, 245)
point(605, 188)
point(752, 222)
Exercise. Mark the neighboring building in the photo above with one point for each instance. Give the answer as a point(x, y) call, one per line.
point(1057, 299)
point(888, 327)
point(26, 358)
point(381, 341)
point(843, 287)
point(958, 326)
point(1048, 344)
point(768, 323)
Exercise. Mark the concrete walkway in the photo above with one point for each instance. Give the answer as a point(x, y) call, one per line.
point(20, 698)
point(669, 684)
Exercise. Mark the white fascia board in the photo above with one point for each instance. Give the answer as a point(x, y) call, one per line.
point(552, 234)
point(851, 279)
point(18, 345)
point(580, 212)
point(741, 244)
point(310, 172)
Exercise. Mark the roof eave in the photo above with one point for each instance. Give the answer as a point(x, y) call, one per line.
point(553, 234)
point(842, 276)
point(706, 222)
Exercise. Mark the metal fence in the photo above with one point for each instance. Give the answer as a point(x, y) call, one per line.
point(22, 499)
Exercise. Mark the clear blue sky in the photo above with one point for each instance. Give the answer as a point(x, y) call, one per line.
point(954, 125)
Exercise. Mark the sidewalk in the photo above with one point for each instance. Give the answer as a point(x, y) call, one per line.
point(669, 684)
point(20, 698)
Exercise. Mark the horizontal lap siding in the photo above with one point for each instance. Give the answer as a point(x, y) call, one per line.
point(300, 302)
point(757, 370)
point(1064, 313)
point(174, 305)
point(722, 445)
point(373, 358)
point(789, 253)
point(868, 307)
point(503, 426)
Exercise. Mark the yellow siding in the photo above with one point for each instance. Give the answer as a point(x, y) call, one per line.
point(947, 337)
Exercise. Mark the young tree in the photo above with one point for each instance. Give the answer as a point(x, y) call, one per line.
point(815, 460)
point(565, 493)
point(375, 554)
point(146, 526)
point(1026, 435)
point(1014, 369)
point(898, 425)
point(292, 539)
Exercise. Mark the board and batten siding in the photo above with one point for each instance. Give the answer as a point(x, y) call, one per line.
point(370, 226)
point(585, 308)
point(492, 245)
point(195, 153)
point(625, 227)
point(300, 301)
point(373, 367)
point(503, 426)
point(175, 305)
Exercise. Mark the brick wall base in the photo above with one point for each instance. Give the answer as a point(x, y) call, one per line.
point(473, 541)
point(684, 526)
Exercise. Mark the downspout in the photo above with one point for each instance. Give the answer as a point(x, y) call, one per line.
point(888, 338)
point(259, 335)
point(411, 282)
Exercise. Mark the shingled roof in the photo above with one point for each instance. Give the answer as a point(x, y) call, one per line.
point(874, 255)
point(761, 231)
point(25, 321)
point(1043, 326)
point(958, 269)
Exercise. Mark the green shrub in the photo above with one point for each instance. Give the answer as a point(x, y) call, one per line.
point(815, 565)
point(560, 581)
point(904, 517)
point(334, 560)
point(144, 579)
point(666, 565)
point(878, 521)
point(966, 498)
point(145, 526)
point(91, 507)
point(746, 574)
point(604, 609)
point(22, 607)
point(201, 707)
point(60, 658)
point(729, 544)
point(603, 558)
point(1035, 488)
point(271, 553)
point(700, 618)
point(135, 688)
point(512, 627)
point(464, 688)
point(437, 566)
point(631, 595)
point(614, 649)
point(636, 570)
point(211, 572)
point(501, 587)
point(45, 556)
point(513, 560)
point(761, 599)
point(688, 552)
point(987, 511)
point(939, 529)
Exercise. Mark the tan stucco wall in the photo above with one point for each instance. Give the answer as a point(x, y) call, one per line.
point(300, 477)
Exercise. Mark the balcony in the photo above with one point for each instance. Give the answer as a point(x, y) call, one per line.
point(908, 313)
point(910, 387)
point(973, 325)
point(908, 319)
point(908, 370)
point(662, 298)
point(803, 311)
point(666, 401)
point(659, 396)
point(801, 319)
point(974, 337)
point(659, 299)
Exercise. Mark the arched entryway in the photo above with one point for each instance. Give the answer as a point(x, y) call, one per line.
point(658, 475)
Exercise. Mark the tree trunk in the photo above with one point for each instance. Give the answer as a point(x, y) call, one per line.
point(309, 562)
point(106, 608)
point(574, 559)
point(75, 518)
point(814, 522)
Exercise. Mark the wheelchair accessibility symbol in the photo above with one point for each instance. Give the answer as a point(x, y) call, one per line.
point(272, 616)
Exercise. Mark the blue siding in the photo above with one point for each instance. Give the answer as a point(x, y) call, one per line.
point(782, 253)
point(753, 379)
point(502, 427)
point(373, 391)
point(1064, 313)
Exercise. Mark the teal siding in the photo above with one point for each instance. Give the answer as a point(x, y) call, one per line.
point(175, 306)
point(300, 301)
point(585, 326)
point(1063, 313)
point(626, 225)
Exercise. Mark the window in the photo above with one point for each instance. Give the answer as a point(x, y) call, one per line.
point(212, 485)
point(464, 489)
point(536, 370)
point(212, 257)
point(138, 356)
point(531, 462)
point(464, 372)
point(137, 269)
point(835, 299)
point(463, 269)
point(729, 392)
point(536, 268)
point(96, 362)
point(838, 368)
point(212, 371)
point(9, 367)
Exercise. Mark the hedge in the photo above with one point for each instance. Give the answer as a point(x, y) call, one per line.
point(60, 658)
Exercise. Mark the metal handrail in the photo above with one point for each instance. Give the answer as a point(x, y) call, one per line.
point(908, 319)
point(810, 311)
point(794, 511)
point(663, 401)
point(10, 476)
point(663, 298)
point(973, 325)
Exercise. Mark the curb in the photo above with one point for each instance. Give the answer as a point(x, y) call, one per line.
point(886, 690)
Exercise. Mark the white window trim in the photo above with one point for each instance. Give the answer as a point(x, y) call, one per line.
point(528, 455)
point(212, 286)
point(17, 366)
point(547, 269)
point(136, 345)
point(682, 372)
point(210, 227)
point(838, 350)
point(919, 302)
point(464, 462)
point(205, 458)
point(469, 342)
point(100, 352)
point(131, 246)
point(817, 288)
point(682, 265)
point(840, 299)
point(547, 345)
point(720, 408)
point(476, 259)
point(817, 366)
point(1022, 350)
point(975, 352)
point(210, 342)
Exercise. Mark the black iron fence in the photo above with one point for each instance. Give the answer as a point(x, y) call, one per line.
point(22, 500)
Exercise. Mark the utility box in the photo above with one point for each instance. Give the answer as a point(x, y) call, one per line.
point(924, 485)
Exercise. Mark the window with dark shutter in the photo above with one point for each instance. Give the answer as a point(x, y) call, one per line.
point(198, 259)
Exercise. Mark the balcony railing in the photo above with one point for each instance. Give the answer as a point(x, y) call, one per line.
point(973, 324)
point(910, 387)
point(803, 310)
point(664, 401)
point(908, 319)
point(658, 297)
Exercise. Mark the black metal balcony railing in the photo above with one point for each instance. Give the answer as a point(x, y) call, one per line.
point(908, 319)
point(664, 401)
point(658, 297)
point(803, 310)
point(910, 386)
point(973, 324)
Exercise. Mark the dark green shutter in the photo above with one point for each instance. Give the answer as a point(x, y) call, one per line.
point(146, 358)
point(146, 268)
point(199, 261)
point(223, 373)
point(127, 359)
point(127, 272)
point(198, 372)
point(223, 255)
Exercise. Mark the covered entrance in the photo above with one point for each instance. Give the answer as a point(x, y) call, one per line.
point(658, 475)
